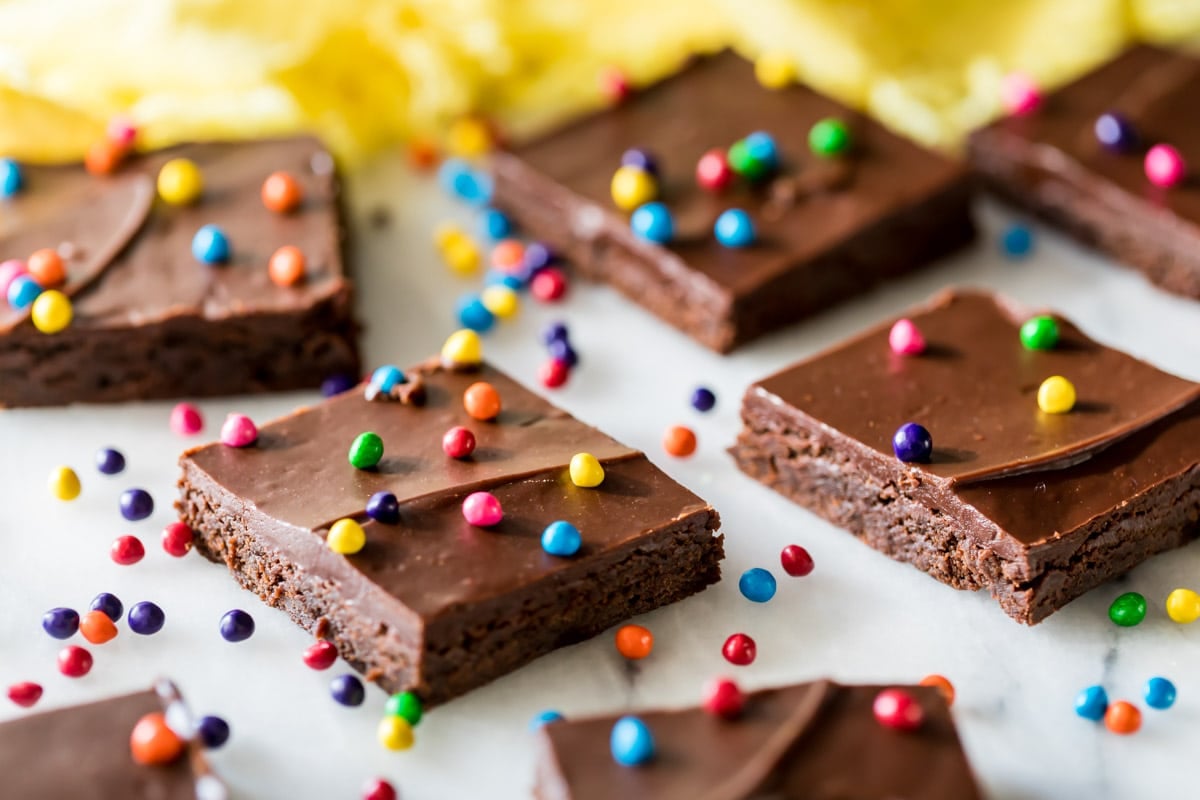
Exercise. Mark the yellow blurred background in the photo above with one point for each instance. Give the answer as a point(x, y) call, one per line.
point(367, 74)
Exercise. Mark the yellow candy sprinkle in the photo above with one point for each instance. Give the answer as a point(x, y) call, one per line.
point(180, 182)
point(1183, 606)
point(395, 733)
point(469, 138)
point(51, 311)
point(632, 187)
point(447, 233)
point(462, 256)
point(501, 301)
point(346, 537)
point(462, 349)
point(774, 70)
point(64, 483)
point(586, 470)
point(1056, 395)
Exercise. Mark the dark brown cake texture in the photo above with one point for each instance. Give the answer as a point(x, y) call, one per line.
point(434, 604)
point(1036, 508)
point(150, 321)
point(819, 741)
point(827, 229)
point(1051, 162)
point(83, 753)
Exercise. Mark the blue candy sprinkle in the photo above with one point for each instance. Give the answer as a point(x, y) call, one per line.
point(146, 618)
point(554, 332)
point(631, 742)
point(757, 585)
point(347, 690)
point(1160, 693)
point(1091, 703)
point(653, 223)
point(561, 350)
point(703, 399)
point(384, 507)
point(61, 623)
point(210, 245)
point(641, 159)
point(544, 718)
point(23, 291)
point(761, 147)
point(1016, 241)
point(497, 278)
point(473, 314)
point(494, 224)
point(912, 442)
point(458, 178)
point(336, 384)
point(10, 177)
point(386, 378)
point(110, 604)
point(734, 228)
point(561, 538)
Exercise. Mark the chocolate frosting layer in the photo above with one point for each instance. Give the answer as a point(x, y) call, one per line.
point(1032, 475)
point(82, 752)
point(819, 741)
point(812, 207)
point(433, 561)
point(975, 389)
point(128, 254)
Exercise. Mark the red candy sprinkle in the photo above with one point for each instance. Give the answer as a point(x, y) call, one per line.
point(127, 550)
point(615, 85)
point(897, 709)
point(548, 285)
point(713, 172)
point(320, 655)
point(74, 661)
point(553, 373)
point(177, 539)
point(739, 649)
point(378, 789)
point(724, 699)
point(458, 442)
point(25, 694)
point(796, 561)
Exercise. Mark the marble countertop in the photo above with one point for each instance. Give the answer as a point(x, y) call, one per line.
point(858, 617)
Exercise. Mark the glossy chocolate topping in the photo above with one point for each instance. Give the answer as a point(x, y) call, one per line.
point(813, 205)
point(1035, 474)
point(82, 752)
point(298, 475)
point(128, 254)
point(819, 741)
point(1157, 91)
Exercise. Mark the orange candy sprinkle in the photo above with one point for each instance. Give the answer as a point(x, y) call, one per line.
point(422, 154)
point(152, 742)
point(942, 684)
point(282, 193)
point(286, 266)
point(482, 401)
point(103, 157)
point(634, 642)
point(47, 268)
point(1122, 717)
point(97, 628)
point(679, 441)
point(508, 255)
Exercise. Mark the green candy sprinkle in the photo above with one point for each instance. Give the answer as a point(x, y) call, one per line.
point(366, 451)
point(829, 137)
point(1039, 333)
point(1128, 610)
point(744, 163)
point(405, 705)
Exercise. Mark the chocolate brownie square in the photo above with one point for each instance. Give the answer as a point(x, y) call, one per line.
point(150, 321)
point(828, 228)
point(432, 603)
point(1035, 507)
point(83, 752)
point(815, 740)
point(1052, 162)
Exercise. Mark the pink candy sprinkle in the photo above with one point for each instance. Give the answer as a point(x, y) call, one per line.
point(186, 419)
point(238, 431)
point(482, 509)
point(121, 131)
point(1019, 94)
point(9, 270)
point(1164, 165)
point(905, 339)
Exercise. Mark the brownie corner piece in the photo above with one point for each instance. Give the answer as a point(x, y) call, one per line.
point(1052, 161)
point(150, 320)
point(1037, 508)
point(803, 740)
point(432, 603)
point(827, 227)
